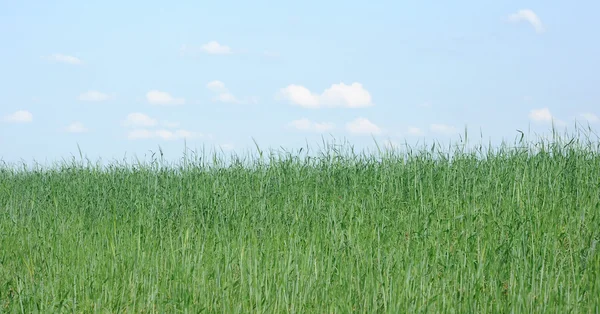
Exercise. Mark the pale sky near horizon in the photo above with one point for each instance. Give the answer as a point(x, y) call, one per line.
point(122, 78)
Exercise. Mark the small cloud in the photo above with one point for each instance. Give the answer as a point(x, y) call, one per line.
point(215, 48)
point(21, 116)
point(425, 105)
point(527, 16)
point(57, 57)
point(163, 134)
point(93, 95)
point(173, 135)
point(443, 129)
point(301, 96)
point(544, 116)
point(363, 126)
point(76, 127)
point(142, 129)
point(338, 95)
point(138, 119)
point(590, 117)
point(225, 96)
point(216, 86)
point(162, 98)
point(415, 131)
point(308, 126)
point(540, 115)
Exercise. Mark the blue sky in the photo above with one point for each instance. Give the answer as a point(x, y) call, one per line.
point(123, 78)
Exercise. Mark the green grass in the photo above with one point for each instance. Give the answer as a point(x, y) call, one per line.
point(514, 229)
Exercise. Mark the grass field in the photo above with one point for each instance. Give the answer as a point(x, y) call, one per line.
point(513, 229)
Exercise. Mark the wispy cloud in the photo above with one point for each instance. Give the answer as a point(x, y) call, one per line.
point(543, 115)
point(143, 126)
point(338, 95)
point(163, 134)
point(443, 129)
point(309, 126)
point(215, 48)
point(363, 126)
point(61, 58)
point(138, 119)
point(93, 95)
point(216, 86)
point(223, 94)
point(527, 15)
point(540, 115)
point(590, 117)
point(156, 97)
point(415, 131)
point(226, 98)
point(21, 116)
point(76, 127)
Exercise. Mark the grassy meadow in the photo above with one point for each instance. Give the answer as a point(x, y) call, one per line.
point(432, 229)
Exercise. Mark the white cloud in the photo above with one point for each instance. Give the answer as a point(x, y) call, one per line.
point(216, 86)
point(338, 95)
point(545, 116)
point(352, 96)
point(137, 119)
point(225, 96)
point(309, 126)
point(93, 95)
point(590, 117)
point(21, 116)
point(172, 135)
point(301, 96)
point(76, 127)
point(528, 16)
point(143, 129)
point(163, 134)
point(415, 131)
point(540, 115)
point(57, 57)
point(443, 128)
point(162, 98)
point(215, 48)
point(363, 126)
